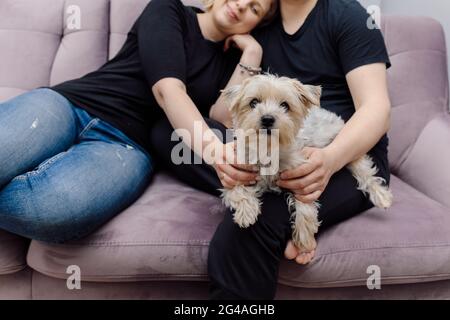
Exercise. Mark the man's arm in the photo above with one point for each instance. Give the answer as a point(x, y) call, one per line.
point(362, 131)
point(371, 120)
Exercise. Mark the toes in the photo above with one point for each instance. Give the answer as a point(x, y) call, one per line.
point(305, 257)
point(291, 251)
point(313, 254)
point(301, 258)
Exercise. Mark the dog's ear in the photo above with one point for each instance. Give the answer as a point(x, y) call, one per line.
point(313, 94)
point(231, 94)
point(310, 95)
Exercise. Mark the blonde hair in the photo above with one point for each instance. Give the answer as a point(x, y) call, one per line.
point(208, 4)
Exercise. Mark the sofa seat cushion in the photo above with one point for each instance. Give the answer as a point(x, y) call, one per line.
point(409, 243)
point(165, 235)
point(13, 252)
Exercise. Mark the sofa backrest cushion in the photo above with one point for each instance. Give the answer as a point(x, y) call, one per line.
point(418, 80)
point(39, 46)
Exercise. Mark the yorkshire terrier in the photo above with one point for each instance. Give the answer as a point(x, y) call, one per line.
point(280, 116)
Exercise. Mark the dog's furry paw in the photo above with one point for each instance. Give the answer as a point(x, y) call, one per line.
point(304, 239)
point(305, 226)
point(246, 212)
point(364, 170)
point(305, 242)
point(381, 196)
point(245, 203)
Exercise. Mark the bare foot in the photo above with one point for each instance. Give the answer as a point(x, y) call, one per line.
point(291, 252)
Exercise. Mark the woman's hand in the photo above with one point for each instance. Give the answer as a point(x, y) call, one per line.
point(251, 49)
point(309, 180)
point(251, 56)
point(230, 172)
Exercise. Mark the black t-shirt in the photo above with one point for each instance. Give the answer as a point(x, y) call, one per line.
point(165, 41)
point(333, 40)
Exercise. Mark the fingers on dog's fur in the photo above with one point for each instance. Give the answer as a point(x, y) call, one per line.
point(228, 181)
point(236, 174)
point(309, 198)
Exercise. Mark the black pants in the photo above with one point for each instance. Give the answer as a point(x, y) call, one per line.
point(243, 263)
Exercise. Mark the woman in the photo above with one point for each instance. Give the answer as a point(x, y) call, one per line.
point(320, 42)
point(74, 155)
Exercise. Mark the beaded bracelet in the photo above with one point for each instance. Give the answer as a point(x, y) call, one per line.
point(250, 70)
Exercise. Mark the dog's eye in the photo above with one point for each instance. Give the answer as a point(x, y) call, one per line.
point(253, 103)
point(285, 105)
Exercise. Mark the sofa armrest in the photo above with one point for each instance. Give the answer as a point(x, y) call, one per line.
point(427, 167)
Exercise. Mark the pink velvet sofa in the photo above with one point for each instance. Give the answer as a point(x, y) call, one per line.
point(157, 248)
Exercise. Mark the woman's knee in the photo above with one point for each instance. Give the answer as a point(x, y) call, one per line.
point(51, 216)
point(33, 127)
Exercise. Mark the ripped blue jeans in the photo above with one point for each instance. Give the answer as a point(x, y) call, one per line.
point(63, 173)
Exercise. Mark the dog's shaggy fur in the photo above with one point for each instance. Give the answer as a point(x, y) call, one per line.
point(268, 106)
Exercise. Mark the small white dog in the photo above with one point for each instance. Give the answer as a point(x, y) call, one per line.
point(267, 106)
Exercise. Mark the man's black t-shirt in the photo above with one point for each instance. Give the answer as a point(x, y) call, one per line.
point(165, 41)
point(334, 39)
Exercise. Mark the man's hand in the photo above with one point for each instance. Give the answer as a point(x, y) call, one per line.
point(230, 172)
point(309, 180)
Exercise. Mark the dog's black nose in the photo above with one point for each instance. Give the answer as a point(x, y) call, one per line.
point(267, 121)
